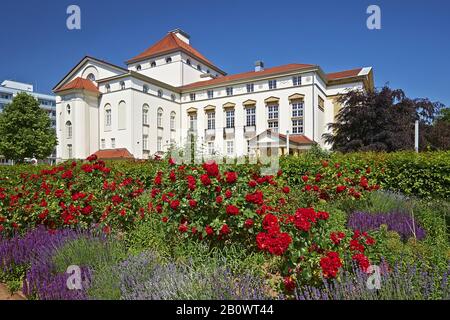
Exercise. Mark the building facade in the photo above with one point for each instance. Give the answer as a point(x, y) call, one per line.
point(171, 92)
point(9, 89)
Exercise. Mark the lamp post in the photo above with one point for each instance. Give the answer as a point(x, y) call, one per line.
point(287, 142)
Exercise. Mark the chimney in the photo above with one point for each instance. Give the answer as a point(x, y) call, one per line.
point(181, 35)
point(259, 66)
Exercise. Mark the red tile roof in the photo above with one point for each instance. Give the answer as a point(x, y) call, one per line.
point(168, 44)
point(79, 83)
point(114, 154)
point(343, 74)
point(297, 138)
point(250, 74)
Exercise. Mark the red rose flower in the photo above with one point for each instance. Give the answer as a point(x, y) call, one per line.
point(232, 210)
point(362, 261)
point(225, 230)
point(228, 194)
point(92, 158)
point(165, 219)
point(305, 179)
point(209, 230)
point(340, 189)
point(289, 284)
point(182, 228)
point(211, 168)
point(286, 190)
point(206, 181)
point(219, 199)
point(192, 203)
point(330, 264)
point(252, 183)
point(248, 223)
point(174, 204)
point(231, 177)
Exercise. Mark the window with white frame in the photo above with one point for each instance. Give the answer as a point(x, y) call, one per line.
point(159, 119)
point(138, 67)
point(297, 80)
point(230, 147)
point(173, 97)
point(91, 77)
point(113, 143)
point(145, 142)
point(69, 129)
point(229, 115)
point(188, 62)
point(69, 151)
point(273, 117)
point(211, 116)
point(108, 88)
point(145, 88)
point(145, 111)
point(160, 93)
point(193, 122)
point(68, 109)
point(297, 126)
point(250, 87)
point(251, 116)
point(103, 144)
point(122, 85)
point(192, 96)
point(159, 144)
point(108, 117)
point(153, 64)
point(210, 94)
point(168, 60)
point(272, 84)
point(297, 109)
point(173, 116)
point(199, 67)
point(321, 104)
point(211, 148)
point(229, 91)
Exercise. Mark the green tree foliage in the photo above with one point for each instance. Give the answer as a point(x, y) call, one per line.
point(25, 130)
point(383, 120)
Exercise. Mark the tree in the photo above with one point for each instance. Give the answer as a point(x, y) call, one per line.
point(25, 130)
point(379, 120)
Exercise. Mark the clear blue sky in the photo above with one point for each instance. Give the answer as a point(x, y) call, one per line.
point(411, 51)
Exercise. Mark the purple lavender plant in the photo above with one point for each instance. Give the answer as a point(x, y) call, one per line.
point(400, 222)
point(408, 282)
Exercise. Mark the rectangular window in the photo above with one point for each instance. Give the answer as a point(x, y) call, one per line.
point(272, 112)
point(103, 146)
point(69, 151)
point(273, 125)
point(297, 80)
point(159, 144)
point(230, 118)
point(145, 117)
point(192, 96)
point(193, 122)
point(250, 87)
point(145, 142)
point(272, 84)
point(108, 118)
point(321, 104)
point(211, 120)
point(172, 122)
point(229, 91)
point(297, 126)
point(230, 148)
point(113, 143)
point(210, 148)
point(297, 109)
point(251, 117)
point(210, 94)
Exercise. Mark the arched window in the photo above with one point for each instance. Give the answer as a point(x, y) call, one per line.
point(145, 88)
point(188, 62)
point(168, 60)
point(108, 117)
point(160, 93)
point(173, 116)
point(159, 119)
point(91, 77)
point(122, 85)
point(68, 109)
point(145, 110)
point(69, 129)
point(122, 114)
point(138, 68)
point(108, 88)
point(199, 67)
point(153, 64)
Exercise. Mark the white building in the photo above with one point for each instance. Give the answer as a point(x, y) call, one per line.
point(171, 91)
point(9, 89)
